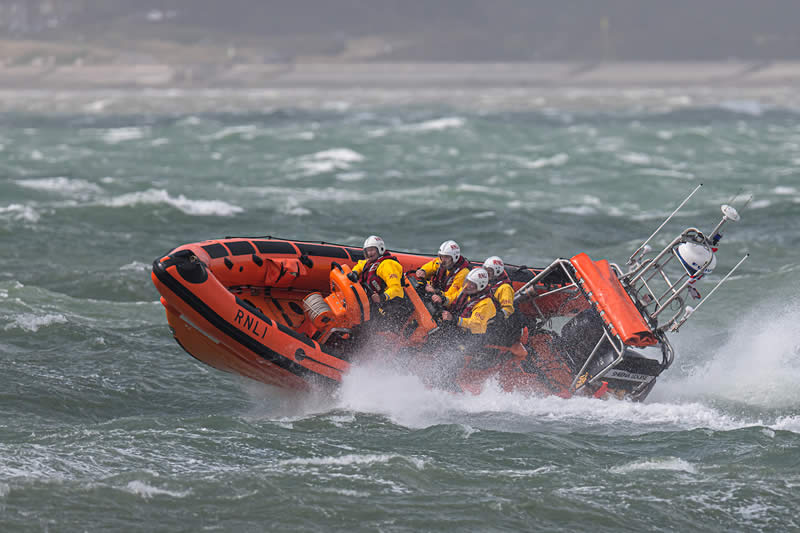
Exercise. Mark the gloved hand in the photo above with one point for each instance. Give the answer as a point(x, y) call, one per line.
point(352, 276)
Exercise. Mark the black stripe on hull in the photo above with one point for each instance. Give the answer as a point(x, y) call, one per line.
point(234, 333)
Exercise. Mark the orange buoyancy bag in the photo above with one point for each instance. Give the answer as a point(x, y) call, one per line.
point(613, 303)
point(283, 272)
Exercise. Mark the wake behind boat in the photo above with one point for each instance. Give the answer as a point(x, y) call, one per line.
point(285, 312)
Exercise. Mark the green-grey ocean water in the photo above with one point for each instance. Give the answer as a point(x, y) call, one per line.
point(107, 425)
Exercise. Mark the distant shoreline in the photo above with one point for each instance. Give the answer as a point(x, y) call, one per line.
point(389, 75)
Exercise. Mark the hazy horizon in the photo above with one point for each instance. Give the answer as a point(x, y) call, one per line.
point(413, 30)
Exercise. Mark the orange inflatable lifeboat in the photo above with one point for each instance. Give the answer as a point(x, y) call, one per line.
point(286, 313)
point(275, 310)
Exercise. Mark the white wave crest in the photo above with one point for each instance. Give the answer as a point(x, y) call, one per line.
point(246, 132)
point(635, 158)
point(190, 207)
point(436, 124)
point(350, 176)
point(32, 322)
point(666, 463)
point(61, 184)
point(136, 266)
point(140, 488)
point(328, 161)
point(339, 154)
point(355, 459)
point(19, 212)
point(787, 423)
point(554, 161)
point(118, 135)
point(744, 107)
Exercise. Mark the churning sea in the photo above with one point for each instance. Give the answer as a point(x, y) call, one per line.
point(107, 425)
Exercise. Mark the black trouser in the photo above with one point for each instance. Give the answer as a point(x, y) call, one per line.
point(391, 313)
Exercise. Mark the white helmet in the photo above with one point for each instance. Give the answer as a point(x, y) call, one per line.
point(494, 265)
point(451, 249)
point(373, 241)
point(694, 256)
point(479, 277)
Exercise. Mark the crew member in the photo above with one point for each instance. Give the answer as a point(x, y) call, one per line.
point(500, 285)
point(474, 307)
point(379, 272)
point(445, 274)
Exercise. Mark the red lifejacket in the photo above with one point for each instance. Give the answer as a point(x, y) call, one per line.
point(442, 279)
point(499, 280)
point(465, 303)
point(495, 284)
point(370, 279)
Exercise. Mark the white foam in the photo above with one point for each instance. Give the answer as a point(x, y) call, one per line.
point(118, 135)
point(136, 266)
point(784, 190)
point(787, 423)
point(32, 322)
point(758, 365)
point(557, 160)
point(355, 459)
point(246, 132)
point(745, 107)
point(350, 176)
point(483, 189)
point(190, 207)
point(20, 212)
point(328, 161)
point(347, 492)
point(635, 158)
point(581, 210)
point(292, 207)
point(4, 490)
point(666, 463)
point(339, 154)
point(140, 488)
point(407, 401)
point(61, 184)
point(760, 204)
point(436, 124)
point(302, 136)
point(97, 106)
point(667, 173)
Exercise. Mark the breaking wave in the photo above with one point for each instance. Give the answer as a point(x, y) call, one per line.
point(188, 206)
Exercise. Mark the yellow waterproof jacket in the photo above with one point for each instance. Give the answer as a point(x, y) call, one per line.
point(504, 294)
point(450, 294)
point(390, 272)
point(482, 313)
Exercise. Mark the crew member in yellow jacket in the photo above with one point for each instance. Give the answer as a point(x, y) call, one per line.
point(445, 274)
point(500, 285)
point(474, 307)
point(379, 272)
